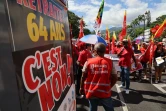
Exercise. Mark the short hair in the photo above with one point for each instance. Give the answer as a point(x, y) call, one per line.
point(100, 47)
point(87, 45)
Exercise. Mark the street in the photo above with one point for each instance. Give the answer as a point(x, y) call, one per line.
point(143, 96)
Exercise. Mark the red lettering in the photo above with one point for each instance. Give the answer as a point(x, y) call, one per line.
point(30, 83)
point(45, 97)
point(51, 10)
point(46, 64)
point(24, 2)
point(53, 60)
point(58, 51)
point(31, 2)
point(64, 76)
point(56, 86)
point(45, 7)
point(39, 6)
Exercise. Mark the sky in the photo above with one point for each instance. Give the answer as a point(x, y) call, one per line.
point(114, 10)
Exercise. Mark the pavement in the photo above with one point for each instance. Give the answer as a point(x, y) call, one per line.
point(143, 96)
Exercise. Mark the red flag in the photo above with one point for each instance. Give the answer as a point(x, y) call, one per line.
point(160, 30)
point(149, 53)
point(123, 32)
point(151, 50)
point(155, 28)
point(81, 33)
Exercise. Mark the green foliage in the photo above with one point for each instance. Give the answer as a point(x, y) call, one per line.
point(86, 31)
point(74, 21)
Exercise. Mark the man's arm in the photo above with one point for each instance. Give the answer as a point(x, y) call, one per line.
point(114, 77)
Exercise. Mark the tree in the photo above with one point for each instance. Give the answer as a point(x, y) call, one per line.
point(74, 21)
point(86, 31)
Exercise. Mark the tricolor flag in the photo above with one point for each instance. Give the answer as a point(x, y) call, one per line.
point(113, 43)
point(123, 32)
point(160, 30)
point(99, 16)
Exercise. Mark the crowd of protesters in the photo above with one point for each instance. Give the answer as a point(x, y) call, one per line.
point(95, 74)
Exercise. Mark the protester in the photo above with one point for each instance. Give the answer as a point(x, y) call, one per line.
point(143, 61)
point(137, 53)
point(118, 46)
point(97, 79)
point(159, 52)
point(83, 56)
point(125, 54)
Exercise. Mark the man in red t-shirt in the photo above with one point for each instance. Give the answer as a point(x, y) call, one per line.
point(82, 58)
point(125, 54)
point(98, 78)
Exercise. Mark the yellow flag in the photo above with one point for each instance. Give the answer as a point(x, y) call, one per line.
point(114, 35)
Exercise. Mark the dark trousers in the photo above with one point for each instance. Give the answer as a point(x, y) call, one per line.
point(106, 102)
point(79, 75)
point(125, 73)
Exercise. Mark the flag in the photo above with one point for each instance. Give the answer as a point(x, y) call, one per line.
point(151, 50)
point(138, 46)
point(129, 41)
point(160, 30)
point(123, 32)
point(107, 35)
point(149, 53)
point(113, 43)
point(155, 28)
point(99, 16)
point(81, 33)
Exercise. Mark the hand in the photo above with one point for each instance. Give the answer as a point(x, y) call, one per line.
point(81, 91)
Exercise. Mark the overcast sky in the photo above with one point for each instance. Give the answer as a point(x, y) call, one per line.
point(114, 10)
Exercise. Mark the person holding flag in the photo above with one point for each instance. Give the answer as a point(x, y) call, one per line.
point(125, 54)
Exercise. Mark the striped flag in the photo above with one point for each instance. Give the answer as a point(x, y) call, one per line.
point(99, 16)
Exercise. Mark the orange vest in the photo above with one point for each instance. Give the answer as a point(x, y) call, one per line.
point(98, 81)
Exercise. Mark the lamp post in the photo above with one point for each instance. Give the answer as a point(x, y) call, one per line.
point(145, 17)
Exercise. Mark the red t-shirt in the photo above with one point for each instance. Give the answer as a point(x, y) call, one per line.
point(83, 56)
point(142, 49)
point(125, 57)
